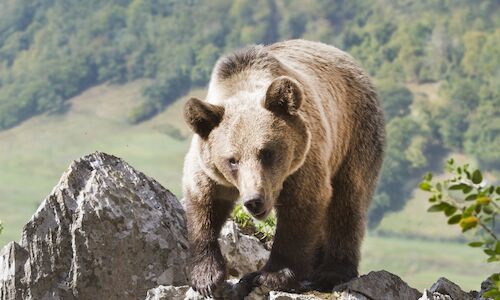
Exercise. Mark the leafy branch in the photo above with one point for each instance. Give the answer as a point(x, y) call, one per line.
point(467, 200)
point(263, 230)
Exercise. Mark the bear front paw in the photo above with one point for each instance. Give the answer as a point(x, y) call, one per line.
point(207, 275)
point(325, 281)
point(282, 280)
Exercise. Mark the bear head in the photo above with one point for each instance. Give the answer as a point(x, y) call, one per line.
point(252, 141)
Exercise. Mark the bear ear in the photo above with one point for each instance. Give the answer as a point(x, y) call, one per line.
point(202, 116)
point(284, 96)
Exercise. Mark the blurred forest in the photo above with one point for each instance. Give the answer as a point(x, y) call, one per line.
point(52, 50)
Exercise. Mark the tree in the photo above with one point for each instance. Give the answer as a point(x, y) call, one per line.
point(396, 99)
point(397, 168)
point(482, 138)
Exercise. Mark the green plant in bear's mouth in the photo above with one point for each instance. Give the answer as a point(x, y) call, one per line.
point(467, 200)
point(263, 230)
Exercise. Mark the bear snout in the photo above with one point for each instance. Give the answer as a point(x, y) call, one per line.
point(255, 205)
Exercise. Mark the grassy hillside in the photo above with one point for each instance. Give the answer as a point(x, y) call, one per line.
point(36, 153)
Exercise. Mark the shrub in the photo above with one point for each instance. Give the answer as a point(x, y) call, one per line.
point(470, 202)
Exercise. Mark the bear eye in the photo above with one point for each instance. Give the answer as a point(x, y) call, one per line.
point(233, 163)
point(266, 156)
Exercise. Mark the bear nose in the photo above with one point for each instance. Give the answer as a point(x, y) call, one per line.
point(254, 204)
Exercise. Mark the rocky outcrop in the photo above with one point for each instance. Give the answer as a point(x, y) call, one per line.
point(379, 285)
point(106, 231)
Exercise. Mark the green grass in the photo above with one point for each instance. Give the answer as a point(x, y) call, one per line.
point(420, 263)
point(36, 153)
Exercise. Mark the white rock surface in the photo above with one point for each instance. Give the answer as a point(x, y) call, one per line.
point(290, 296)
point(168, 293)
point(243, 253)
point(428, 295)
point(106, 231)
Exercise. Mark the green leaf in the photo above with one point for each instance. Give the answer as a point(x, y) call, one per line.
point(436, 207)
point(498, 190)
point(467, 189)
point(438, 186)
point(455, 219)
point(488, 209)
point(471, 197)
point(494, 294)
point(428, 176)
point(425, 186)
point(450, 211)
point(439, 207)
point(459, 186)
point(489, 252)
point(475, 244)
point(493, 259)
point(468, 211)
point(477, 177)
point(497, 248)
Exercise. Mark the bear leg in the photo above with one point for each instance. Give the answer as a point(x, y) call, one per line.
point(300, 212)
point(205, 217)
point(345, 227)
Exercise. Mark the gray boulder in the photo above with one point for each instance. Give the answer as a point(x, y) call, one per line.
point(445, 287)
point(106, 231)
point(380, 285)
point(243, 253)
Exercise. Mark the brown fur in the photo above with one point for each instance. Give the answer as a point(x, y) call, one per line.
point(297, 123)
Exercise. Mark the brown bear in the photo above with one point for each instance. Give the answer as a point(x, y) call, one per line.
point(296, 127)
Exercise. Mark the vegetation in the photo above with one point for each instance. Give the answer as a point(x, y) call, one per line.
point(470, 202)
point(263, 230)
point(52, 50)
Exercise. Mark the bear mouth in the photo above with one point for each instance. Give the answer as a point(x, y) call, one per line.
point(260, 216)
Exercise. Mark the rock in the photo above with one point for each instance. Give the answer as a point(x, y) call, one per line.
point(348, 296)
point(229, 292)
point(106, 231)
point(187, 293)
point(290, 296)
point(446, 287)
point(428, 295)
point(243, 253)
point(380, 285)
point(167, 293)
